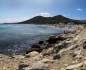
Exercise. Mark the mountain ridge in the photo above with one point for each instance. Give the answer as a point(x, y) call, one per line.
point(50, 20)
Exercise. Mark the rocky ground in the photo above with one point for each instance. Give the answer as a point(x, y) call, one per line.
point(69, 53)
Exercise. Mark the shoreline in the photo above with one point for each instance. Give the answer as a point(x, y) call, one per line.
point(74, 31)
point(49, 55)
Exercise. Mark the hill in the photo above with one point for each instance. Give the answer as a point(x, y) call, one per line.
point(51, 20)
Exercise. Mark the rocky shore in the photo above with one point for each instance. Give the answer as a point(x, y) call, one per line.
point(65, 51)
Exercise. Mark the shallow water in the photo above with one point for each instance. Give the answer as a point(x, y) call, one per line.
point(16, 38)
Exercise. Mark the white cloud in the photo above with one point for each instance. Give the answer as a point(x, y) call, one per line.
point(45, 14)
point(79, 9)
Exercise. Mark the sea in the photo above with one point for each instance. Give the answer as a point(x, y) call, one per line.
point(16, 38)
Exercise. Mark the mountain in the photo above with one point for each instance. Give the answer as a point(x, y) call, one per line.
point(51, 20)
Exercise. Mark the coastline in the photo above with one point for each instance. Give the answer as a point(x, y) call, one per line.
point(48, 55)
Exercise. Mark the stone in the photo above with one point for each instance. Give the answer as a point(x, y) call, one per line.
point(21, 66)
point(45, 60)
point(41, 42)
point(47, 51)
point(52, 39)
point(38, 66)
point(48, 46)
point(32, 54)
point(37, 58)
point(74, 66)
point(84, 45)
point(56, 56)
point(18, 56)
point(34, 47)
point(68, 42)
point(60, 37)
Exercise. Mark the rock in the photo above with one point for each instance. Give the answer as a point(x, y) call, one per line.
point(76, 39)
point(47, 51)
point(68, 42)
point(84, 45)
point(34, 47)
point(60, 37)
point(45, 60)
point(41, 42)
point(48, 46)
point(57, 48)
point(66, 65)
point(57, 56)
point(52, 39)
point(21, 66)
point(38, 66)
point(18, 56)
point(74, 66)
point(32, 54)
point(37, 58)
point(62, 68)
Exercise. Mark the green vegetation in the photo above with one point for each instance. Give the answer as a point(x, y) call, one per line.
point(52, 20)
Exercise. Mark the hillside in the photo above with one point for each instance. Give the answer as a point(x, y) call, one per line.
point(51, 20)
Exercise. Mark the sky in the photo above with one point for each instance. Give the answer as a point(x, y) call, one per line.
point(20, 10)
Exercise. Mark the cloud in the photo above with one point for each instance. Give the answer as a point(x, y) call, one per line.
point(79, 9)
point(45, 14)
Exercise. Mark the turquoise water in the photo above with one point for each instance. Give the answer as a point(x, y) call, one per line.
point(16, 38)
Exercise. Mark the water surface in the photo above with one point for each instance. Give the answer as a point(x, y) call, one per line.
point(16, 38)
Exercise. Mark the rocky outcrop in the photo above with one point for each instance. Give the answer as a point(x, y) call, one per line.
point(53, 39)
